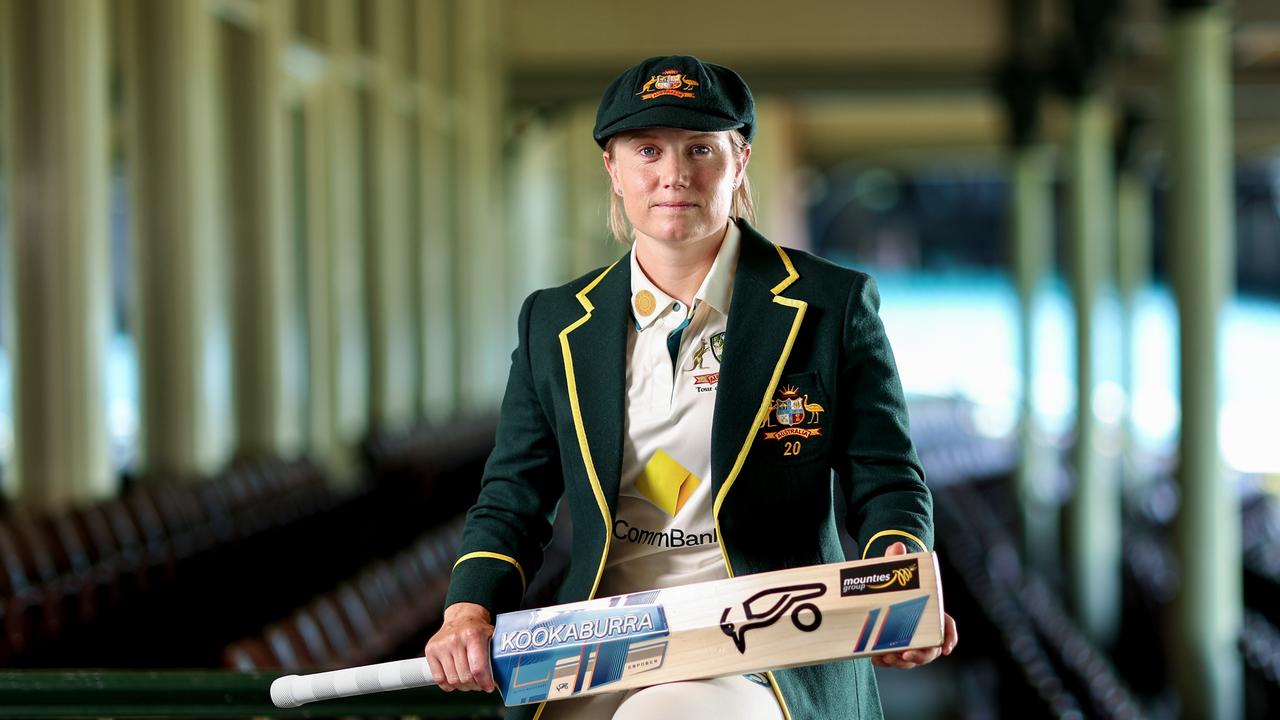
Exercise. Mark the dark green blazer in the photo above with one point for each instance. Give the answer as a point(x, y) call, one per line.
point(798, 326)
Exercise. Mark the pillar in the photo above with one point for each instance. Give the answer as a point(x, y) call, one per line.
point(539, 167)
point(1031, 227)
point(438, 257)
point(591, 245)
point(487, 324)
point(268, 324)
point(1133, 275)
point(53, 59)
point(392, 350)
point(182, 322)
point(1093, 517)
point(780, 204)
point(344, 178)
point(1209, 607)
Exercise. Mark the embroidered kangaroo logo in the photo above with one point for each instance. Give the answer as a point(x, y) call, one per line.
point(699, 356)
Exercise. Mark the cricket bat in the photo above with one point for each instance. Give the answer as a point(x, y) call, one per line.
point(747, 624)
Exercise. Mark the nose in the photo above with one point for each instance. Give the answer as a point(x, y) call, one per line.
point(675, 170)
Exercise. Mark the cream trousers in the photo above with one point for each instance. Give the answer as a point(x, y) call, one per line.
point(734, 697)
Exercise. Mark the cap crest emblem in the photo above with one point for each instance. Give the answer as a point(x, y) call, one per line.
point(668, 82)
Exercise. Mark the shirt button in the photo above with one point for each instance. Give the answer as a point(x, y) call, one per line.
point(676, 306)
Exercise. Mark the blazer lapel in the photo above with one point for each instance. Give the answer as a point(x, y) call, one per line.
point(594, 348)
point(763, 324)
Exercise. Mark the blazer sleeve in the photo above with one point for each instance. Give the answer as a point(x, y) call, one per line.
point(879, 470)
point(509, 526)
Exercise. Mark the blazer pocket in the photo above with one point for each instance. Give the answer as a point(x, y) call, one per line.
point(796, 430)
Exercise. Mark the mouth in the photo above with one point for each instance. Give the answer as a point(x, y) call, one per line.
point(676, 205)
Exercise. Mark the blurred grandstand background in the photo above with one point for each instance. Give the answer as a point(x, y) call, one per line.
point(261, 261)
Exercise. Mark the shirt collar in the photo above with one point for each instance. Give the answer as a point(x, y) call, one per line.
point(717, 286)
point(716, 289)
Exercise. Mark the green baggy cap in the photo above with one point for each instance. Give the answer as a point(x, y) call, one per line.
point(676, 91)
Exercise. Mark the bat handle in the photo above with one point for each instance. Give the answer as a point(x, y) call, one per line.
point(294, 690)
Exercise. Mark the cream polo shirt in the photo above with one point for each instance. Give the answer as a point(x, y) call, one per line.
point(663, 531)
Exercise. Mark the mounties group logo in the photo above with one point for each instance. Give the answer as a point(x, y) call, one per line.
point(886, 577)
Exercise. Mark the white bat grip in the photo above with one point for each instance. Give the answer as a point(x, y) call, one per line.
point(294, 690)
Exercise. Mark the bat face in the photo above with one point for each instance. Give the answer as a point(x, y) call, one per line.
point(768, 606)
point(741, 625)
point(560, 652)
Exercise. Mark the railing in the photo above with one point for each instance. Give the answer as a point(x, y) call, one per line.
point(208, 694)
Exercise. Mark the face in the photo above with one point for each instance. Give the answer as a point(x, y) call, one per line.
point(676, 185)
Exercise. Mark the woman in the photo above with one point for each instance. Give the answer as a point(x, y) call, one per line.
point(650, 396)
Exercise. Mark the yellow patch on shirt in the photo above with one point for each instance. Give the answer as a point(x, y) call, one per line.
point(645, 302)
point(666, 483)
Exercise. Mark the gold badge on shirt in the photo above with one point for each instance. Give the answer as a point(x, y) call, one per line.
point(645, 303)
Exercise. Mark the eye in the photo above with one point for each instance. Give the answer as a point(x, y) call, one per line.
point(647, 151)
point(700, 150)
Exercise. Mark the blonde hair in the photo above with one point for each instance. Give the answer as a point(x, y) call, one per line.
point(743, 206)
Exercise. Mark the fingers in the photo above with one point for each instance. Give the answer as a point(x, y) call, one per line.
point(912, 658)
point(477, 648)
point(462, 666)
point(458, 657)
point(951, 636)
point(907, 659)
point(437, 671)
point(449, 666)
point(898, 548)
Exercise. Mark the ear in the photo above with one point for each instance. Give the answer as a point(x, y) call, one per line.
point(742, 165)
point(612, 168)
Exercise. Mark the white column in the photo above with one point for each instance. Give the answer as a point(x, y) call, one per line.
point(1133, 275)
point(1032, 253)
point(590, 243)
point(349, 333)
point(779, 202)
point(181, 299)
point(322, 391)
point(268, 337)
point(1209, 608)
point(438, 256)
point(487, 328)
point(53, 63)
point(392, 351)
point(1093, 513)
point(538, 208)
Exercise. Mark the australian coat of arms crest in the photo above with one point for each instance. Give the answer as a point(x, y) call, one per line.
point(796, 416)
